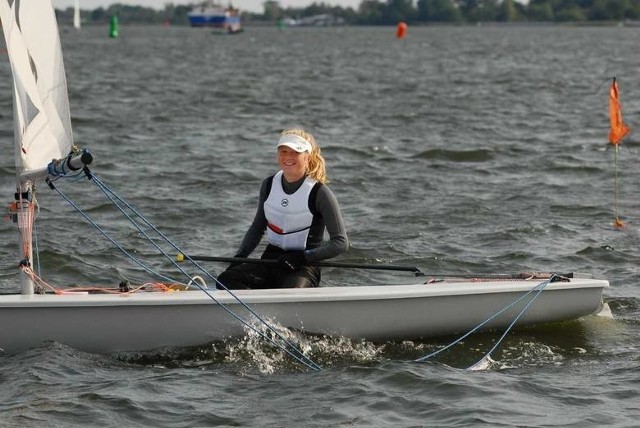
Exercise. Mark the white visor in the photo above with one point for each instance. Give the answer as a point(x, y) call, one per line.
point(295, 142)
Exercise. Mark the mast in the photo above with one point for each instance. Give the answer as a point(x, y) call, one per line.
point(25, 205)
point(24, 218)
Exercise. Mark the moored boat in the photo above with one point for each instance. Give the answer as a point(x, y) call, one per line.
point(212, 15)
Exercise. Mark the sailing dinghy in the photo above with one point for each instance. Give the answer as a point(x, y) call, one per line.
point(145, 318)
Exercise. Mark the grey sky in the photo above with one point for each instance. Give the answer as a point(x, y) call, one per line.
point(248, 5)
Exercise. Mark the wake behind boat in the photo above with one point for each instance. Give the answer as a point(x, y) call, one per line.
point(149, 316)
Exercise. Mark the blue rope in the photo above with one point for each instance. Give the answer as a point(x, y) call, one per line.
point(77, 175)
point(300, 357)
point(106, 235)
point(105, 189)
point(289, 349)
point(487, 355)
point(473, 330)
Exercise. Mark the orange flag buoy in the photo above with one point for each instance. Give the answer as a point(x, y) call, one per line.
point(618, 129)
point(617, 132)
point(401, 30)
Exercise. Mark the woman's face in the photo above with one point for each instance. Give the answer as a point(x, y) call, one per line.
point(292, 163)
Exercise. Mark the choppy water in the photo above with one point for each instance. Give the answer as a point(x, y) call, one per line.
point(458, 149)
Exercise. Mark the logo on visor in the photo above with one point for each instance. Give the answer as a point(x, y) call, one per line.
point(284, 202)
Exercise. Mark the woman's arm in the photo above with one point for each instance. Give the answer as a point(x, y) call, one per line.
point(327, 206)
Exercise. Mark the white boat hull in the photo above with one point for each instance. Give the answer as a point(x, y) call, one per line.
point(144, 321)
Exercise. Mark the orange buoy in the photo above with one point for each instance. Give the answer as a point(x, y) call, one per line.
point(618, 224)
point(401, 30)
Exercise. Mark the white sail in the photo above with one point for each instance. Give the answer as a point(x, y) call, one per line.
point(76, 15)
point(42, 122)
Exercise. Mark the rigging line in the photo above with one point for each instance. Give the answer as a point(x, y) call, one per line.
point(111, 194)
point(106, 235)
point(146, 268)
point(607, 80)
point(102, 187)
point(254, 313)
point(248, 308)
point(616, 183)
point(107, 191)
point(310, 363)
point(300, 358)
point(473, 330)
point(289, 349)
point(527, 306)
point(497, 276)
point(73, 177)
point(35, 233)
point(35, 242)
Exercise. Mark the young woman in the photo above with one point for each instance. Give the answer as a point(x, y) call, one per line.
point(295, 207)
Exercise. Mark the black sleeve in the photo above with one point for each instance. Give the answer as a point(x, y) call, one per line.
point(327, 206)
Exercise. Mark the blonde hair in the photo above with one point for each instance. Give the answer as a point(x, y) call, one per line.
point(316, 168)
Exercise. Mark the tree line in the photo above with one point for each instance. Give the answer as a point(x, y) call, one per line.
point(390, 12)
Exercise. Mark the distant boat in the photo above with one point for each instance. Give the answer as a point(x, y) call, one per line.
point(210, 14)
point(321, 20)
point(76, 15)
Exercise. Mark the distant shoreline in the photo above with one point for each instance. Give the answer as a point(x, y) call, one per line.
point(258, 23)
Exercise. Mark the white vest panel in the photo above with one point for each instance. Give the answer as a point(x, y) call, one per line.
point(288, 216)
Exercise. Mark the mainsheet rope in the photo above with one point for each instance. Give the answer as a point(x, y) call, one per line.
point(290, 348)
point(487, 356)
point(538, 289)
